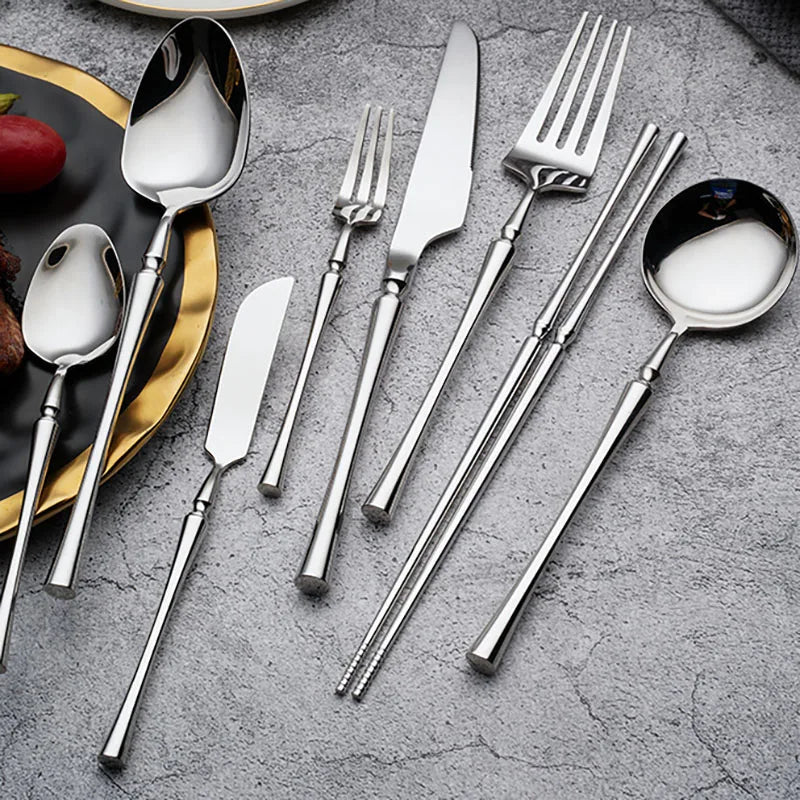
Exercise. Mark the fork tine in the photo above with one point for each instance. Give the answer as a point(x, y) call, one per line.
point(595, 143)
point(383, 176)
point(349, 182)
point(369, 162)
point(534, 126)
point(586, 105)
point(572, 90)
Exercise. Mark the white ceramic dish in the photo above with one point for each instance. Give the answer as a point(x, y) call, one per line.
point(218, 9)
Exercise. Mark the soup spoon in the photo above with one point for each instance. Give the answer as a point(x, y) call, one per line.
point(717, 256)
point(72, 315)
point(185, 143)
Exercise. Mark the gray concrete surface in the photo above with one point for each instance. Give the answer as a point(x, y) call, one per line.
point(660, 658)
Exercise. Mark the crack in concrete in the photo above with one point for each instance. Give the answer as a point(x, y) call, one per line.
point(707, 742)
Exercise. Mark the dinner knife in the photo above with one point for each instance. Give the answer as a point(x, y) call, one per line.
point(435, 205)
point(240, 390)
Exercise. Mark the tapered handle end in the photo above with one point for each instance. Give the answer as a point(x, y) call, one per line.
point(481, 664)
point(269, 489)
point(109, 757)
point(312, 585)
point(382, 501)
point(63, 576)
point(376, 512)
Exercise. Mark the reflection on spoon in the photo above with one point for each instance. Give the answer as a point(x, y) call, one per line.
point(727, 256)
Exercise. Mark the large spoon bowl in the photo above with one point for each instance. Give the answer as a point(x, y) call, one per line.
point(189, 123)
point(719, 255)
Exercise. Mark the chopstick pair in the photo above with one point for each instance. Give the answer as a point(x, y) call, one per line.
point(537, 360)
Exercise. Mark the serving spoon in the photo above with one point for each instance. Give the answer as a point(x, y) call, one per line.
point(72, 315)
point(185, 143)
point(718, 255)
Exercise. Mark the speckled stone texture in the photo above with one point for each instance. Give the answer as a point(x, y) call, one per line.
point(660, 656)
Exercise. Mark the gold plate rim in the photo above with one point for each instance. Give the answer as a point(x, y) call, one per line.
point(188, 338)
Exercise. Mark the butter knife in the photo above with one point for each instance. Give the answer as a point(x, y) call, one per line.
point(240, 389)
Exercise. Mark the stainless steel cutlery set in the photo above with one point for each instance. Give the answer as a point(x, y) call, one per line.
point(718, 255)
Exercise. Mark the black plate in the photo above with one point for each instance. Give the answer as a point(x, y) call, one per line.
point(90, 189)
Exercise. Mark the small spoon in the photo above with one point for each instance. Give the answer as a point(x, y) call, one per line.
point(185, 144)
point(717, 256)
point(72, 315)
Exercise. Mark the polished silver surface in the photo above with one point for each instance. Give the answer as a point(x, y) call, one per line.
point(434, 205)
point(240, 390)
point(72, 315)
point(538, 372)
point(530, 374)
point(717, 256)
point(354, 207)
point(544, 163)
point(185, 143)
point(518, 374)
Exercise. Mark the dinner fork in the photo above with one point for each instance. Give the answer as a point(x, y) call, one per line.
point(544, 164)
point(355, 208)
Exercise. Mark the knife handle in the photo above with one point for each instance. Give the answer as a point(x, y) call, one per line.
point(116, 746)
point(382, 501)
point(313, 576)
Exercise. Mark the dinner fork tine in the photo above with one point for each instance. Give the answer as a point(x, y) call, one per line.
point(569, 97)
point(544, 166)
point(353, 211)
point(382, 183)
point(597, 136)
point(369, 162)
point(535, 123)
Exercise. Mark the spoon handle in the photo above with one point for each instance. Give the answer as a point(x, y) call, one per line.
point(147, 287)
point(488, 649)
point(45, 433)
point(116, 745)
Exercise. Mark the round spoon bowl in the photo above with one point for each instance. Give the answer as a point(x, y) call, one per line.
point(188, 128)
point(73, 308)
point(719, 254)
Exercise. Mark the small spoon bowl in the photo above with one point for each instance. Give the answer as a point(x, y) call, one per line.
point(189, 124)
point(719, 254)
point(73, 308)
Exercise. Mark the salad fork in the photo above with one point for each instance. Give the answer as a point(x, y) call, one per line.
point(544, 164)
point(355, 208)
